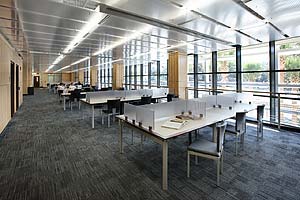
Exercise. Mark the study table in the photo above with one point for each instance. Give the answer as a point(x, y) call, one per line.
point(162, 135)
point(102, 101)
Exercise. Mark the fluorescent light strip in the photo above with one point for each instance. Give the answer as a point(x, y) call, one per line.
point(88, 28)
point(91, 25)
point(74, 63)
point(142, 54)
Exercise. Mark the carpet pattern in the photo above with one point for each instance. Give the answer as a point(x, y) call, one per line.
point(47, 153)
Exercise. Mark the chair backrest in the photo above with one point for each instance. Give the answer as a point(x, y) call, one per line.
point(240, 122)
point(146, 100)
point(169, 97)
point(260, 112)
point(221, 127)
point(73, 95)
point(77, 93)
point(113, 104)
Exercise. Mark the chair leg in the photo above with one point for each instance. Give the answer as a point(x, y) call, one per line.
point(188, 165)
point(222, 162)
point(131, 136)
point(236, 144)
point(257, 131)
point(142, 139)
point(262, 130)
point(108, 121)
point(218, 172)
point(196, 160)
point(102, 117)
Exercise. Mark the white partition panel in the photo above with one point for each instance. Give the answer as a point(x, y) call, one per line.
point(130, 111)
point(244, 98)
point(167, 109)
point(210, 100)
point(225, 100)
point(145, 92)
point(145, 116)
point(132, 94)
point(160, 92)
point(196, 107)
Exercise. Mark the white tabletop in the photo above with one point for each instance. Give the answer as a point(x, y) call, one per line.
point(213, 115)
point(103, 101)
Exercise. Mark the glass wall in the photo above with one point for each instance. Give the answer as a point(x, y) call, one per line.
point(255, 68)
point(146, 74)
point(199, 77)
point(283, 106)
point(226, 69)
point(105, 71)
point(288, 76)
point(86, 73)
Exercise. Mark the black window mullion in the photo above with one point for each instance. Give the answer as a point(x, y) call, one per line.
point(126, 76)
point(130, 74)
point(141, 76)
point(149, 74)
point(238, 60)
point(135, 76)
point(273, 81)
point(196, 75)
point(214, 72)
point(158, 73)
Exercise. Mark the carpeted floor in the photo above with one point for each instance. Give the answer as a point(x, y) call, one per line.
point(48, 153)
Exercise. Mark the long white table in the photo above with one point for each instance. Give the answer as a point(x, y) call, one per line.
point(104, 101)
point(162, 135)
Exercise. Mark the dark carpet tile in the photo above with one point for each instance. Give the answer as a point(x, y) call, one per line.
point(48, 153)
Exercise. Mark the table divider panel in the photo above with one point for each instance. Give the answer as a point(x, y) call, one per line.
point(130, 111)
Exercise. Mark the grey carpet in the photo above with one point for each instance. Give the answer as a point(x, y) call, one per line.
point(48, 153)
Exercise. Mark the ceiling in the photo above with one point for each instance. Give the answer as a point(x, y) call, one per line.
point(134, 27)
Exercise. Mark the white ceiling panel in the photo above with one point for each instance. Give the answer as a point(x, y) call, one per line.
point(283, 14)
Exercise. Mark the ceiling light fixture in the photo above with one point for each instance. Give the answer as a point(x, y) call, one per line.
point(88, 28)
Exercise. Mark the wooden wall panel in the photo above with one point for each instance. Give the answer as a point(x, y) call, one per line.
point(66, 77)
point(8, 54)
point(117, 76)
point(81, 76)
point(177, 74)
point(94, 76)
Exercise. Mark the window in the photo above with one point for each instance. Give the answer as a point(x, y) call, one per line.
point(105, 69)
point(199, 77)
point(86, 73)
point(226, 69)
point(255, 68)
point(154, 74)
point(288, 76)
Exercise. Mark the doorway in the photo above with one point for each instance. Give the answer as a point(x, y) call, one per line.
point(17, 86)
point(36, 81)
point(12, 88)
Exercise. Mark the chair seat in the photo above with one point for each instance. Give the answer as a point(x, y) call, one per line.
point(205, 147)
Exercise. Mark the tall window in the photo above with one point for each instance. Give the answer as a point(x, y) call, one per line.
point(226, 69)
point(86, 73)
point(153, 74)
point(163, 76)
point(199, 74)
point(288, 76)
point(255, 68)
point(255, 75)
point(105, 71)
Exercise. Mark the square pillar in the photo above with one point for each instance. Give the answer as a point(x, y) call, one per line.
point(177, 74)
point(117, 75)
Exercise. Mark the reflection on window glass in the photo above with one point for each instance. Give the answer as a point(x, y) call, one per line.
point(289, 80)
point(258, 81)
